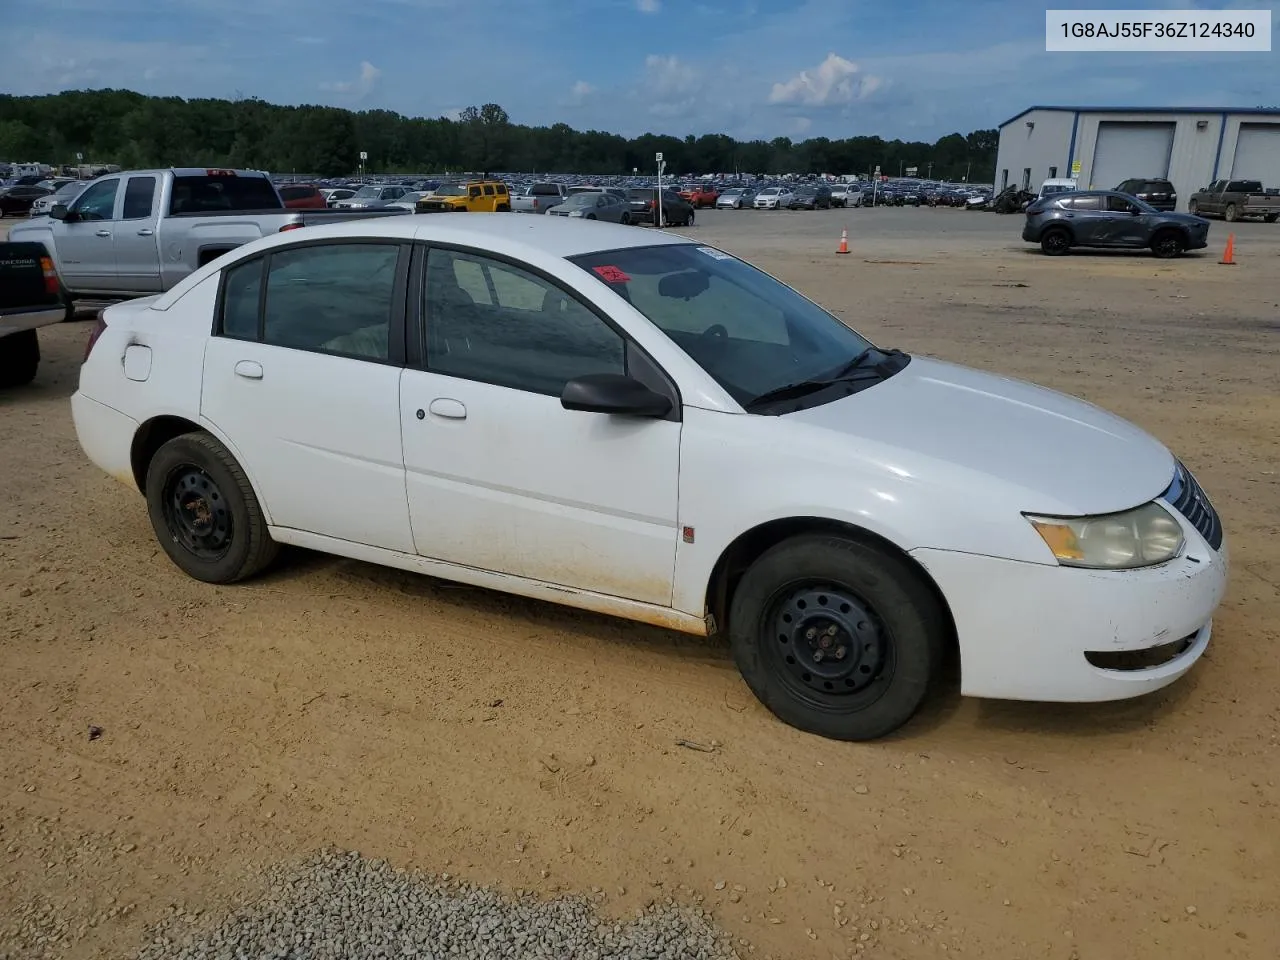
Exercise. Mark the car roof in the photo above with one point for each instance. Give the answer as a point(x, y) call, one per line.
point(508, 234)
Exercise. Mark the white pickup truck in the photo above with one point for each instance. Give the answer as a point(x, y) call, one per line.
point(138, 233)
point(539, 198)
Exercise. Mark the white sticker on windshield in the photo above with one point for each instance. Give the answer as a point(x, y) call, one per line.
point(714, 253)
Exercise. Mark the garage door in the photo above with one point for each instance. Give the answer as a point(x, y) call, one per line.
point(1258, 154)
point(1127, 150)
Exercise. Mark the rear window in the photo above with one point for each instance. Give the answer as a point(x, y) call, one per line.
point(1245, 186)
point(296, 193)
point(203, 194)
point(544, 190)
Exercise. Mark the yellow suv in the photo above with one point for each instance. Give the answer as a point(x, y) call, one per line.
point(473, 196)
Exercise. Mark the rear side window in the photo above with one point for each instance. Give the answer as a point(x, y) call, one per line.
point(335, 298)
point(206, 194)
point(241, 289)
point(138, 194)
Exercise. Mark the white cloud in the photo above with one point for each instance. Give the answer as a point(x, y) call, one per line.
point(359, 88)
point(833, 82)
point(649, 6)
point(579, 93)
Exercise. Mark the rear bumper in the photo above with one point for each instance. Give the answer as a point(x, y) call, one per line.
point(105, 435)
point(29, 318)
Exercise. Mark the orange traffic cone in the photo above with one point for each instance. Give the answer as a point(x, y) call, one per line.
point(1229, 254)
point(844, 242)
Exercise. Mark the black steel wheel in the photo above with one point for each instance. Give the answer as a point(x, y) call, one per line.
point(837, 637)
point(204, 512)
point(1167, 244)
point(1056, 242)
point(830, 645)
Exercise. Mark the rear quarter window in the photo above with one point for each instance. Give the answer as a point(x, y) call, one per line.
point(205, 194)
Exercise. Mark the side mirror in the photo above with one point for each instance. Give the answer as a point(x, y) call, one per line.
point(59, 211)
point(615, 394)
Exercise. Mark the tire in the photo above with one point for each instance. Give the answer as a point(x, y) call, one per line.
point(688, 221)
point(1230, 214)
point(19, 358)
point(1168, 244)
point(1193, 208)
point(589, 216)
point(1056, 242)
point(866, 597)
point(69, 305)
point(503, 208)
point(625, 220)
point(195, 473)
point(1271, 217)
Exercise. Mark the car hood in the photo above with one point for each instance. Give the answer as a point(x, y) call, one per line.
point(1188, 219)
point(1054, 453)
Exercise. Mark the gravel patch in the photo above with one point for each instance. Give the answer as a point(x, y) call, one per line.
point(340, 906)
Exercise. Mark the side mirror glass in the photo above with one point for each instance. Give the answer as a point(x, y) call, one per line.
point(614, 394)
point(59, 211)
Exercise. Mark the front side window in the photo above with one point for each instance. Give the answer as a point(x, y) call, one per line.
point(99, 201)
point(753, 334)
point(332, 298)
point(494, 322)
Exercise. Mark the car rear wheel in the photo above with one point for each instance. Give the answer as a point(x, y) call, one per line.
point(1193, 208)
point(1167, 244)
point(204, 511)
point(836, 637)
point(625, 220)
point(1271, 217)
point(19, 358)
point(688, 221)
point(1231, 214)
point(1056, 242)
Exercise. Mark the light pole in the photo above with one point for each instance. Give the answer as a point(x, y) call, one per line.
point(658, 200)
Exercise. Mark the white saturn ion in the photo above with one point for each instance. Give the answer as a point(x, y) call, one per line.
point(636, 423)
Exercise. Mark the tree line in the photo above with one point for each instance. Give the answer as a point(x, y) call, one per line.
point(136, 131)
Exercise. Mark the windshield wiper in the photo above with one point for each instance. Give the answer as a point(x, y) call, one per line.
point(845, 372)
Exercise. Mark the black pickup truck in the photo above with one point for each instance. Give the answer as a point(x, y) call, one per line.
point(30, 298)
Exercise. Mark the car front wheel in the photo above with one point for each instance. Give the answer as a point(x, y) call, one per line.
point(837, 637)
point(204, 511)
point(1167, 244)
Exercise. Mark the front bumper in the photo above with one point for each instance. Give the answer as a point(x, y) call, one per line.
point(105, 435)
point(1029, 631)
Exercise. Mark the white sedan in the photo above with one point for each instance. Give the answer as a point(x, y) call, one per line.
point(635, 423)
point(773, 198)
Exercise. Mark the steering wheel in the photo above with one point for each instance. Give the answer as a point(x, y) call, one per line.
point(716, 330)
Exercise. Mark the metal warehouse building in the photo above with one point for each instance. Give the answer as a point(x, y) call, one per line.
point(1102, 146)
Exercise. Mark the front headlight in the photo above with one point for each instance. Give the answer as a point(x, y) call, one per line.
point(575, 213)
point(1140, 537)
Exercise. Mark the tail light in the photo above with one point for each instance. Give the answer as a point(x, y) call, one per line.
point(649, 205)
point(50, 276)
point(99, 326)
point(292, 226)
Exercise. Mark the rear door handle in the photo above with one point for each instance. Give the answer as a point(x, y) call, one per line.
point(103, 233)
point(146, 232)
point(249, 369)
point(447, 408)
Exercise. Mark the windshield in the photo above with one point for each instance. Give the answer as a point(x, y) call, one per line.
point(768, 191)
point(68, 188)
point(367, 193)
point(750, 332)
point(582, 200)
point(1049, 188)
point(451, 190)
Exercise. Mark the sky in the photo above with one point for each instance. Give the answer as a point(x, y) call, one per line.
point(914, 69)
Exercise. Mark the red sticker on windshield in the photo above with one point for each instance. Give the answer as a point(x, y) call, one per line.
point(611, 275)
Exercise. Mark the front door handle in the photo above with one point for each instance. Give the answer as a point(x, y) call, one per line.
point(146, 232)
point(249, 369)
point(103, 233)
point(449, 409)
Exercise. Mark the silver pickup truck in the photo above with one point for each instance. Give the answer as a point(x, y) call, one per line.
point(540, 198)
point(138, 233)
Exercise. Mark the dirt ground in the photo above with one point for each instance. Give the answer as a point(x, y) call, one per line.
point(509, 741)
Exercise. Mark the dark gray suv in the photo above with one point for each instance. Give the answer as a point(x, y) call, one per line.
point(1106, 218)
